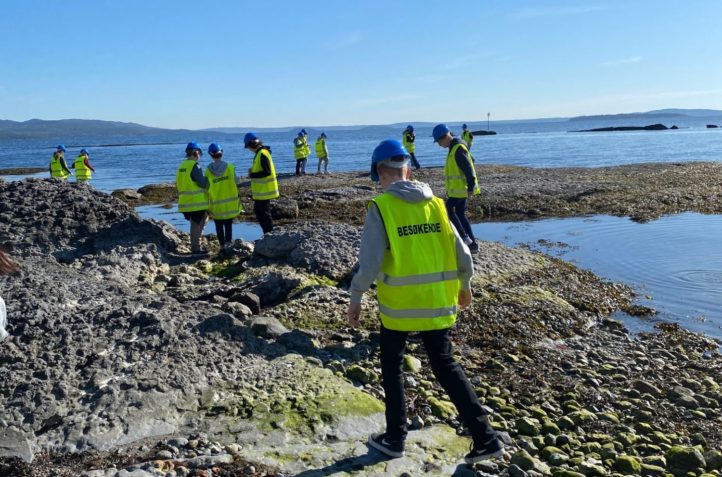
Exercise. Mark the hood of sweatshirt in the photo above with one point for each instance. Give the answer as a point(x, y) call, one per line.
point(411, 191)
point(217, 168)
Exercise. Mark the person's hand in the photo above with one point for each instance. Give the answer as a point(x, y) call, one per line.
point(470, 194)
point(464, 299)
point(354, 315)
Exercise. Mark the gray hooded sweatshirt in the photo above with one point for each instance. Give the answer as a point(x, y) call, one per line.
point(375, 242)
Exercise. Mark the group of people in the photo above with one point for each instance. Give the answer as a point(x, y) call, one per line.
point(301, 151)
point(59, 168)
point(416, 248)
point(214, 193)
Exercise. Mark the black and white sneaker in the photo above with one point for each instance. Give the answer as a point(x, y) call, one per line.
point(477, 454)
point(474, 247)
point(392, 448)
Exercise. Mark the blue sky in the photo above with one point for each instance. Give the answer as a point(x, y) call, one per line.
point(192, 64)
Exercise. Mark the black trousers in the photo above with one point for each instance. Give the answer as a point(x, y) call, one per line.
point(414, 162)
point(456, 208)
point(224, 230)
point(448, 373)
point(262, 209)
point(301, 166)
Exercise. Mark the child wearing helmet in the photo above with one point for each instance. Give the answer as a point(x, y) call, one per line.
point(223, 202)
point(193, 196)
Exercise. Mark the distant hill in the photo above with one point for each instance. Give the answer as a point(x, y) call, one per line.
point(659, 113)
point(78, 128)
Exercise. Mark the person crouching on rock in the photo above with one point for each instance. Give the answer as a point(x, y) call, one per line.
point(58, 167)
point(423, 271)
point(223, 202)
point(264, 184)
point(7, 266)
point(83, 169)
point(193, 196)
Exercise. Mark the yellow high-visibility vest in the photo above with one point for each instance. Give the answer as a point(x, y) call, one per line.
point(223, 201)
point(467, 137)
point(418, 286)
point(410, 146)
point(299, 148)
point(191, 197)
point(320, 148)
point(455, 178)
point(306, 147)
point(56, 168)
point(264, 188)
point(82, 172)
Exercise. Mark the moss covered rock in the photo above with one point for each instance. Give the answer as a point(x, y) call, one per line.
point(681, 459)
point(627, 464)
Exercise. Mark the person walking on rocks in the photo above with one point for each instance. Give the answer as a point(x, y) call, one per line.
point(223, 202)
point(300, 154)
point(58, 167)
point(7, 266)
point(322, 153)
point(83, 169)
point(461, 182)
point(423, 271)
point(264, 184)
point(466, 136)
point(408, 139)
point(193, 196)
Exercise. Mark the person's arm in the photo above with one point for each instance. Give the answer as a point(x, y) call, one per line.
point(464, 163)
point(265, 169)
point(325, 148)
point(87, 164)
point(198, 177)
point(64, 165)
point(374, 243)
point(464, 261)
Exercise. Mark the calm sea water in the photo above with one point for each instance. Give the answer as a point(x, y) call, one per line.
point(536, 144)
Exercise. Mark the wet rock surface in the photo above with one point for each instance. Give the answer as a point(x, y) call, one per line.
point(640, 191)
point(127, 357)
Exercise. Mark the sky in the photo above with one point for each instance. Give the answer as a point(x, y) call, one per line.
point(193, 64)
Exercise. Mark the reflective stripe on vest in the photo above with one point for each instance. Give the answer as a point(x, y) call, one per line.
point(82, 172)
point(418, 286)
point(191, 197)
point(56, 168)
point(223, 201)
point(410, 146)
point(455, 178)
point(306, 148)
point(320, 148)
point(264, 188)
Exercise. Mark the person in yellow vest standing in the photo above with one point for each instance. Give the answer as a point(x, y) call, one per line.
point(322, 153)
point(193, 196)
point(408, 138)
point(461, 182)
point(423, 271)
point(58, 167)
point(300, 154)
point(264, 184)
point(223, 202)
point(466, 136)
point(83, 169)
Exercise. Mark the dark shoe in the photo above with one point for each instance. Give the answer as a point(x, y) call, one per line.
point(474, 247)
point(477, 454)
point(392, 448)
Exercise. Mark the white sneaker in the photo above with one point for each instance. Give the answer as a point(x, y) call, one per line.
point(468, 241)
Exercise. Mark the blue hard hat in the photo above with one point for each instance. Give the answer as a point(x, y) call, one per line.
point(386, 149)
point(410, 128)
point(194, 146)
point(84, 151)
point(323, 134)
point(60, 148)
point(214, 149)
point(440, 130)
point(249, 138)
point(464, 126)
point(303, 131)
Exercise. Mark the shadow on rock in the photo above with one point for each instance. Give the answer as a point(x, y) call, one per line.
point(348, 464)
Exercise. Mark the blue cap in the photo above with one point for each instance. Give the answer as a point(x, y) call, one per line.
point(214, 149)
point(323, 134)
point(409, 128)
point(303, 131)
point(440, 130)
point(464, 126)
point(249, 138)
point(84, 151)
point(387, 149)
point(194, 146)
point(60, 148)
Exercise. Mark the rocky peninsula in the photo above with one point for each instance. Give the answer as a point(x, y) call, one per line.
point(129, 359)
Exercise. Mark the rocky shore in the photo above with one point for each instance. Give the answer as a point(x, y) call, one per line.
point(640, 191)
point(128, 358)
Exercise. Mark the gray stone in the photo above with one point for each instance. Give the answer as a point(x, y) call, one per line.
point(267, 327)
point(516, 471)
point(284, 208)
point(13, 443)
point(251, 300)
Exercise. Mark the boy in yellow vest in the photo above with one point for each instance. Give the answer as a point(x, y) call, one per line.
point(423, 271)
point(264, 183)
point(58, 166)
point(223, 202)
point(83, 169)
